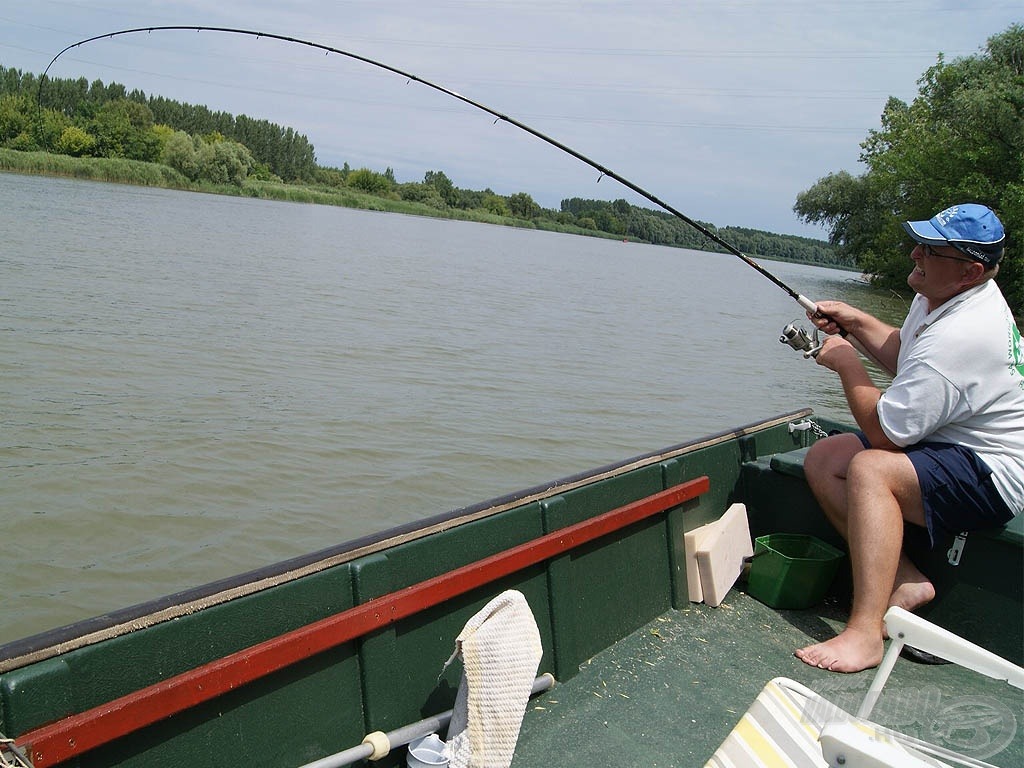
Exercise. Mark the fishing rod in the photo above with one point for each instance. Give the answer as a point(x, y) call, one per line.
point(796, 336)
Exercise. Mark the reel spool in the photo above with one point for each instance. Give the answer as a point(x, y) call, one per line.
point(798, 339)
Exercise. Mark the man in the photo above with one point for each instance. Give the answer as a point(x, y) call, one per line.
point(943, 446)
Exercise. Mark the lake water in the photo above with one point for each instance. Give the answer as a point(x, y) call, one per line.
point(192, 386)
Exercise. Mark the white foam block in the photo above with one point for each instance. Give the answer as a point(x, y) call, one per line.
point(720, 554)
point(691, 542)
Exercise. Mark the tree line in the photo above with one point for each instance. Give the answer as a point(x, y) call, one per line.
point(960, 140)
point(92, 119)
point(662, 228)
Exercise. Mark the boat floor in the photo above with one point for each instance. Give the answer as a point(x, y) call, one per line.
point(670, 693)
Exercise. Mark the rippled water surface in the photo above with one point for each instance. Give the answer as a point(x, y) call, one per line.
point(192, 386)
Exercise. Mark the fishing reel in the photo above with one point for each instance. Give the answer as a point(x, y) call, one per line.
point(799, 340)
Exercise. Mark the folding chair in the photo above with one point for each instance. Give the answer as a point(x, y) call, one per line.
point(790, 726)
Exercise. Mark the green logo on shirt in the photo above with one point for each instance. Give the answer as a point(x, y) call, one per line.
point(1016, 356)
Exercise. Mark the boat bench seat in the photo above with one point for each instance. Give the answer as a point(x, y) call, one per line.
point(792, 463)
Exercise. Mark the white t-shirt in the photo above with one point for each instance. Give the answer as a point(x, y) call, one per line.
point(960, 379)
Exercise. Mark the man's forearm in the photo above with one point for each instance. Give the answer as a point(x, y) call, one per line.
point(878, 341)
point(862, 396)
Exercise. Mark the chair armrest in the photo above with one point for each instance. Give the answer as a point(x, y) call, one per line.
point(915, 631)
point(846, 745)
point(907, 629)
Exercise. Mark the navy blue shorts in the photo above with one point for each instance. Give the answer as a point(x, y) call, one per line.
point(956, 488)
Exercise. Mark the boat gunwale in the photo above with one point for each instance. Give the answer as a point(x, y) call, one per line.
point(61, 640)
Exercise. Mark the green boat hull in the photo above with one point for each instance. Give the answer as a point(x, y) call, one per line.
point(133, 688)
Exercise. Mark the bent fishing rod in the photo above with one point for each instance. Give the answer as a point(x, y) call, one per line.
point(803, 301)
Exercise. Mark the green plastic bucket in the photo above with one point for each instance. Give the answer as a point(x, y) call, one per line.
point(792, 571)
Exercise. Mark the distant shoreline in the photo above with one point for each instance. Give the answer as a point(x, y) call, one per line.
point(139, 173)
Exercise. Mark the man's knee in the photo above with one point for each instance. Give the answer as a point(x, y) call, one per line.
point(891, 473)
point(887, 467)
point(832, 455)
point(817, 457)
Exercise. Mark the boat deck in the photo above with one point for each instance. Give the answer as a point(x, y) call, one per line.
point(669, 694)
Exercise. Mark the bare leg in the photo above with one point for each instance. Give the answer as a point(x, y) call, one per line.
point(826, 466)
point(912, 588)
point(881, 492)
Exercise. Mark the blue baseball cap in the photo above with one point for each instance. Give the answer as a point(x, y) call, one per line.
point(970, 228)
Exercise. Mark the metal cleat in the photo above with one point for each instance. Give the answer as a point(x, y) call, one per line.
point(957, 550)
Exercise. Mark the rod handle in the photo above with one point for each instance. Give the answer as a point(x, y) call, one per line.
point(807, 304)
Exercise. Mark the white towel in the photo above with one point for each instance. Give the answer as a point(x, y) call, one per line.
point(501, 650)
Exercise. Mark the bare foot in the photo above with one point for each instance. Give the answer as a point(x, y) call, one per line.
point(850, 651)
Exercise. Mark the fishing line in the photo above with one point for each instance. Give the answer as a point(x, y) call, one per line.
point(804, 302)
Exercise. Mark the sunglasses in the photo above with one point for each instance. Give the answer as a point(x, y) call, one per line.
point(932, 253)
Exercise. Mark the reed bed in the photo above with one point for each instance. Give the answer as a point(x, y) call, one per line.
point(117, 170)
point(121, 171)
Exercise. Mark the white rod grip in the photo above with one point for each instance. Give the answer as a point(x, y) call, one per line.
point(807, 304)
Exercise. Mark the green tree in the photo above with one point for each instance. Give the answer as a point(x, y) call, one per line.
point(471, 199)
point(48, 127)
point(369, 181)
point(522, 205)
point(495, 204)
point(444, 186)
point(162, 133)
point(960, 140)
point(224, 162)
point(75, 142)
point(330, 177)
point(13, 116)
point(859, 227)
point(421, 193)
point(123, 128)
point(179, 153)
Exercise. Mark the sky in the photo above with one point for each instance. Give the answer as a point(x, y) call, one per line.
point(725, 109)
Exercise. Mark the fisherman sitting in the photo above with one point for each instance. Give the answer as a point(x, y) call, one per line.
point(943, 446)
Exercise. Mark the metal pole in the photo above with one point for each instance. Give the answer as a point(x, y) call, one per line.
point(405, 734)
